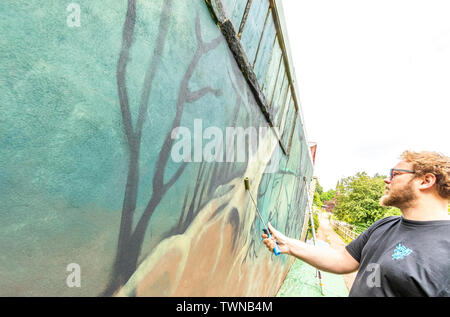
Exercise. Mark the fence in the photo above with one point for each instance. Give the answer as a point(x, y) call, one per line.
point(344, 229)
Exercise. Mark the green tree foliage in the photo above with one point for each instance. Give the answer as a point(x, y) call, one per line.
point(317, 202)
point(316, 224)
point(319, 188)
point(328, 195)
point(318, 191)
point(358, 200)
point(320, 196)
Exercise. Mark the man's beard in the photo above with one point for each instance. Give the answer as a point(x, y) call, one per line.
point(399, 197)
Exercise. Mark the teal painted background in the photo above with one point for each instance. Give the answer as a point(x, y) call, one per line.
point(86, 174)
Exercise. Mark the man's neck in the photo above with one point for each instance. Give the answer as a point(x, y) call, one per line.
point(426, 210)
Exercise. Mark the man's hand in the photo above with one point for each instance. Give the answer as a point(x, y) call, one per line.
point(277, 237)
point(322, 257)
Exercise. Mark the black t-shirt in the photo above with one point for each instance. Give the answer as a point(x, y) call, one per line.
point(400, 257)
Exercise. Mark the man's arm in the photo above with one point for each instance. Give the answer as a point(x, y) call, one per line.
point(323, 258)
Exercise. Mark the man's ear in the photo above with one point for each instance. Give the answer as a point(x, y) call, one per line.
point(427, 181)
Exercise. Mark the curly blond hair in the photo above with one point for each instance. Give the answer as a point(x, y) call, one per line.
point(431, 162)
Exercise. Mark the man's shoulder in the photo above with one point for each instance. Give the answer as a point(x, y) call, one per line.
point(387, 220)
point(378, 228)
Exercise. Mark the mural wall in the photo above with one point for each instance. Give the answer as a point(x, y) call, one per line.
point(115, 154)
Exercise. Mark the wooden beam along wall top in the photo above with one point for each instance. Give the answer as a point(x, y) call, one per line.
point(259, 50)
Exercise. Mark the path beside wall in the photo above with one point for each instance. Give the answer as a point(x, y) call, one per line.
point(326, 233)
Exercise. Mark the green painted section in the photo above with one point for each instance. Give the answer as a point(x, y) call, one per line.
point(265, 49)
point(87, 174)
point(274, 103)
point(287, 108)
point(302, 281)
point(281, 101)
point(235, 11)
point(253, 28)
point(272, 72)
point(286, 103)
point(289, 123)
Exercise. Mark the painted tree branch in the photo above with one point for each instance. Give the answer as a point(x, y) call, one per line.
point(121, 268)
point(130, 242)
point(129, 202)
point(159, 188)
point(196, 95)
point(151, 70)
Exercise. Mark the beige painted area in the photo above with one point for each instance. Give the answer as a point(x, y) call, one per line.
point(202, 261)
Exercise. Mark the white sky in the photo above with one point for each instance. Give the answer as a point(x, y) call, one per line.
point(373, 79)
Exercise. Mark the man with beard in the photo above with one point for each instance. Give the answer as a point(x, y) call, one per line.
point(396, 256)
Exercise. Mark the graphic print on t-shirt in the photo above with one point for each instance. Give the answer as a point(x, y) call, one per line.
point(400, 252)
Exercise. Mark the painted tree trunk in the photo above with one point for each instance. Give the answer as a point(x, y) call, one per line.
point(126, 131)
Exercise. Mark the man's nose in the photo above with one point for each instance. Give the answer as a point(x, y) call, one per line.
point(387, 180)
